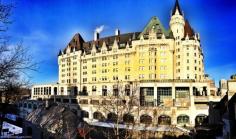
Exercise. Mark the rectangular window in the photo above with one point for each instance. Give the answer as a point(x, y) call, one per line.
point(94, 66)
point(141, 61)
point(163, 93)
point(84, 79)
point(104, 58)
point(141, 76)
point(163, 60)
point(94, 79)
point(182, 92)
point(93, 59)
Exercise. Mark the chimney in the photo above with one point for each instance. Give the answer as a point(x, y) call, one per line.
point(117, 32)
point(96, 35)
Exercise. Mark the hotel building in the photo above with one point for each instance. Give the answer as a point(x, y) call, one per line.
point(166, 65)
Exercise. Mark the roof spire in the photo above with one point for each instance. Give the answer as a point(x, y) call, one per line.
point(177, 7)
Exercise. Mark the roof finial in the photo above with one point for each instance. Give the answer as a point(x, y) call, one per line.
point(177, 8)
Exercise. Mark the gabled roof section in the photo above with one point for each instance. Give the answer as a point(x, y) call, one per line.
point(76, 43)
point(177, 7)
point(157, 26)
point(121, 39)
point(188, 29)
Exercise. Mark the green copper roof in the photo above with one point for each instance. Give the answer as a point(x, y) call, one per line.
point(156, 25)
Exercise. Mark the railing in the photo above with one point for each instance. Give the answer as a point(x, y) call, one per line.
point(174, 80)
point(201, 98)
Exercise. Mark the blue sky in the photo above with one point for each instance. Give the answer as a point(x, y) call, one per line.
point(46, 26)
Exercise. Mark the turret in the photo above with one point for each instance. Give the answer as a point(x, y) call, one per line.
point(177, 22)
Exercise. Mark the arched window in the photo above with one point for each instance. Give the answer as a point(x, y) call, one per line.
point(25, 105)
point(201, 119)
point(34, 106)
point(112, 117)
point(164, 120)
point(98, 115)
point(29, 106)
point(128, 118)
point(145, 119)
point(85, 114)
point(183, 119)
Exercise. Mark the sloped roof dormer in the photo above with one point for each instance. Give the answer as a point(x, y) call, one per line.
point(154, 25)
point(104, 46)
point(115, 45)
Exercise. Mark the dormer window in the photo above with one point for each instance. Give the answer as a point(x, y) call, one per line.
point(115, 50)
point(93, 53)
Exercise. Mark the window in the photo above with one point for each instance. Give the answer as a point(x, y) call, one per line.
point(94, 72)
point(163, 68)
point(163, 76)
point(115, 70)
point(163, 93)
point(187, 67)
point(104, 90)
point(127, 69)
point(141, 68)
point(62, 89)
point(93, 53)
point(104, 58)
point(84, 79)
point(127, 62)
point(115, 57)
point(187, 60)
point(182, 119)
point(141, 76)
point(152, 76)
point(93, 59)
point(163, 53)
point(182, 92)
point(127, 77)
point(94, 88)
point(94, 66)
point(94, 79)
point(115, 63)
point(163, 60)
point(115, 77)
point(141, 61)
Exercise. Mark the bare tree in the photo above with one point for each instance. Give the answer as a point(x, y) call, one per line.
point(15, 62)
point(122, 106)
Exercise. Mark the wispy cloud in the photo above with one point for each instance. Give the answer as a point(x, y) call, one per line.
point(100, 28)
